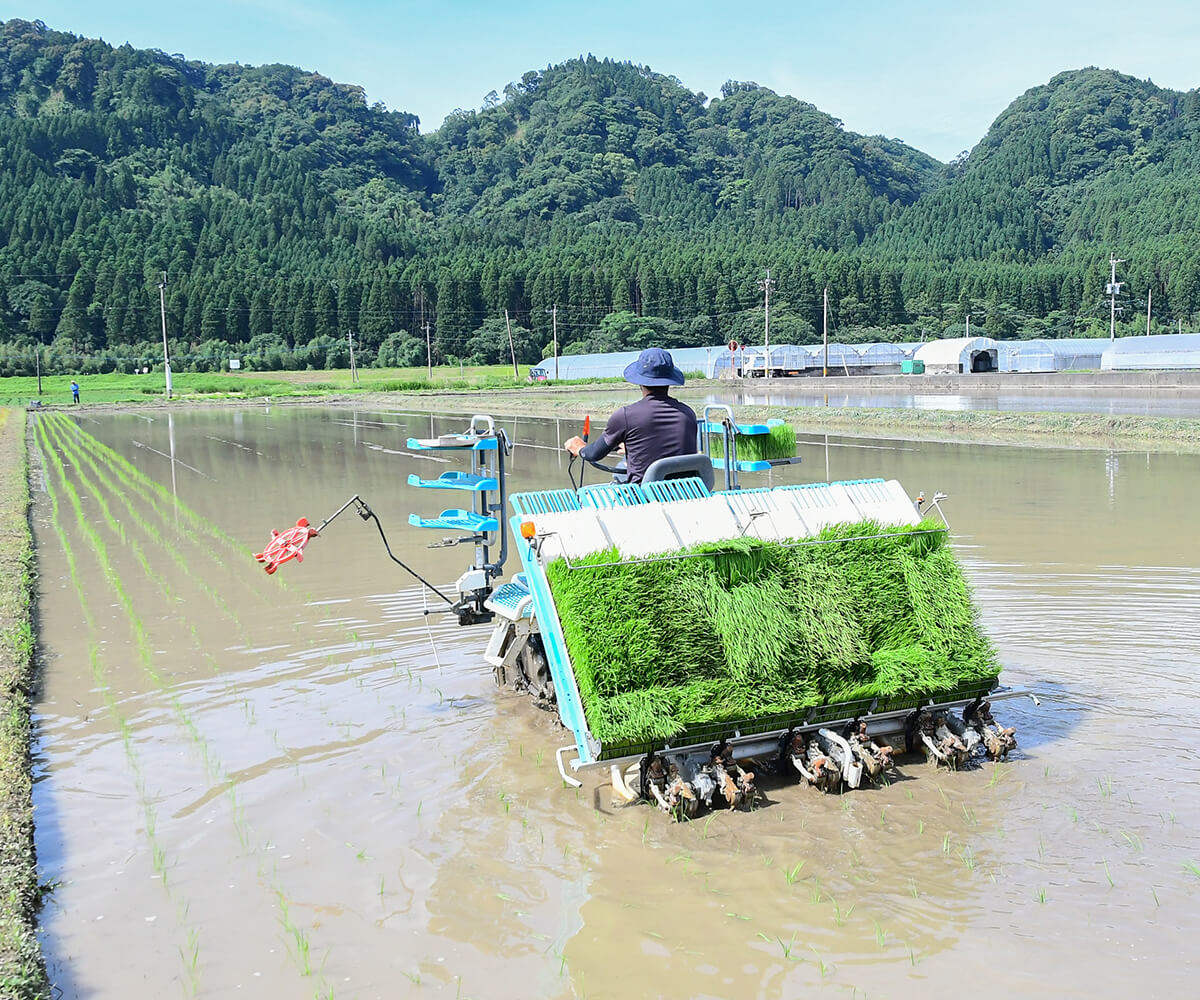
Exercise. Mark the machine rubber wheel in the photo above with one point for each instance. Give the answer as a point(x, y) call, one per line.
point(537, 670)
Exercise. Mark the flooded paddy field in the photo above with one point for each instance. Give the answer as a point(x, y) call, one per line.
point(300, 786)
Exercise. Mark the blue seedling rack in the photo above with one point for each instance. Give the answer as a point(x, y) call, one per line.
point(727, 431)
point(480, 523)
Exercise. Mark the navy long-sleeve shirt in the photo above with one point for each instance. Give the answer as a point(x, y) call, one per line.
point(656, 426)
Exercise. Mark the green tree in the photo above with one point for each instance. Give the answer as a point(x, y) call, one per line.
point(78, 325)
point(259, 321)
point(325, 320)
point(489, 344)
point(401, 350)
point(42, 318)
point(237, 318)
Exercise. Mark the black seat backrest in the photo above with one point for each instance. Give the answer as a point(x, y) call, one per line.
point(681, 467)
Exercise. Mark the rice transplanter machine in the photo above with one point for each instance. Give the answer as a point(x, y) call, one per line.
point(677, 515)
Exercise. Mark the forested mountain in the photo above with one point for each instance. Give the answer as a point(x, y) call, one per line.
point(1092, 155)
point(597, 196)
point(611, 141)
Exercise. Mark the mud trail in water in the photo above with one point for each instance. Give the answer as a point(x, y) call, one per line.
point(301, 785)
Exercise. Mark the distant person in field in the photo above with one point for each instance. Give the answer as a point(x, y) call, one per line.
point(74, 392)
point(656, 426)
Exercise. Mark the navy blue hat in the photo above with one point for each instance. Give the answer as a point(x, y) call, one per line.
point(653, 367)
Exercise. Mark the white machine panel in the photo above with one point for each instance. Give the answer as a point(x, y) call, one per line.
point(768, 515)
point(822, 505)
point(885, 502)
point(707, 520)
point(643, 530)
point(649, 529)
point(570, 533)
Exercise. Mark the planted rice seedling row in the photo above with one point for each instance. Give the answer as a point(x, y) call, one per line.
point(145, 656)
point(165, 503)
point(243, 830)
point(159, 506)
point(80, 456)
point(158, 854)
point(78, 459)
point(212, 764)
point(117, 527)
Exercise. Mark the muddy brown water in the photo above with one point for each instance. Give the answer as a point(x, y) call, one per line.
point(293, 786)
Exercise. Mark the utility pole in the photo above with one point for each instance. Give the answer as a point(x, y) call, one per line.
point(428, 353)
point(37, 354)
point(511, 350)
point(553, 311)
point(353, 370)
point(825, 334)
point(765, 284)
point(1149, 299)
point(1114, 289)
point(162, 304)
point(968, 326)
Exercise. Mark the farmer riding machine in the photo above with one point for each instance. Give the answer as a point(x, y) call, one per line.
point(692, 638)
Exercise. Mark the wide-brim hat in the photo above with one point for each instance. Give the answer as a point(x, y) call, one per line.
point(653, 367)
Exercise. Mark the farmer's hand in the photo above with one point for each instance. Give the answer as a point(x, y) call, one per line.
point(574, 445)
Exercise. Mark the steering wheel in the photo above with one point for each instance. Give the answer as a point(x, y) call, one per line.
point(617, 470)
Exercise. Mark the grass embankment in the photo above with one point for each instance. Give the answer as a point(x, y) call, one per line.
point(193, 386)
point(758, 628)
point(22, 973)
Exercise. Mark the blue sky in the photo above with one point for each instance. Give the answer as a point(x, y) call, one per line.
point(933, 74)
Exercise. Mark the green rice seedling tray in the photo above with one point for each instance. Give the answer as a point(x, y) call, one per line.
point(772, 441)
point(757, 629)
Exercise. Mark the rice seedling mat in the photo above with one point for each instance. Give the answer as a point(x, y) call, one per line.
point(663, 637)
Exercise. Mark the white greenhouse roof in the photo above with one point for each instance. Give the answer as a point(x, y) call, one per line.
point(952, 352)
point(1171, 350)
point(687, 359)
point(1078, 346)
point(590, 365)
point(882, 354)
point(1051, 355)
